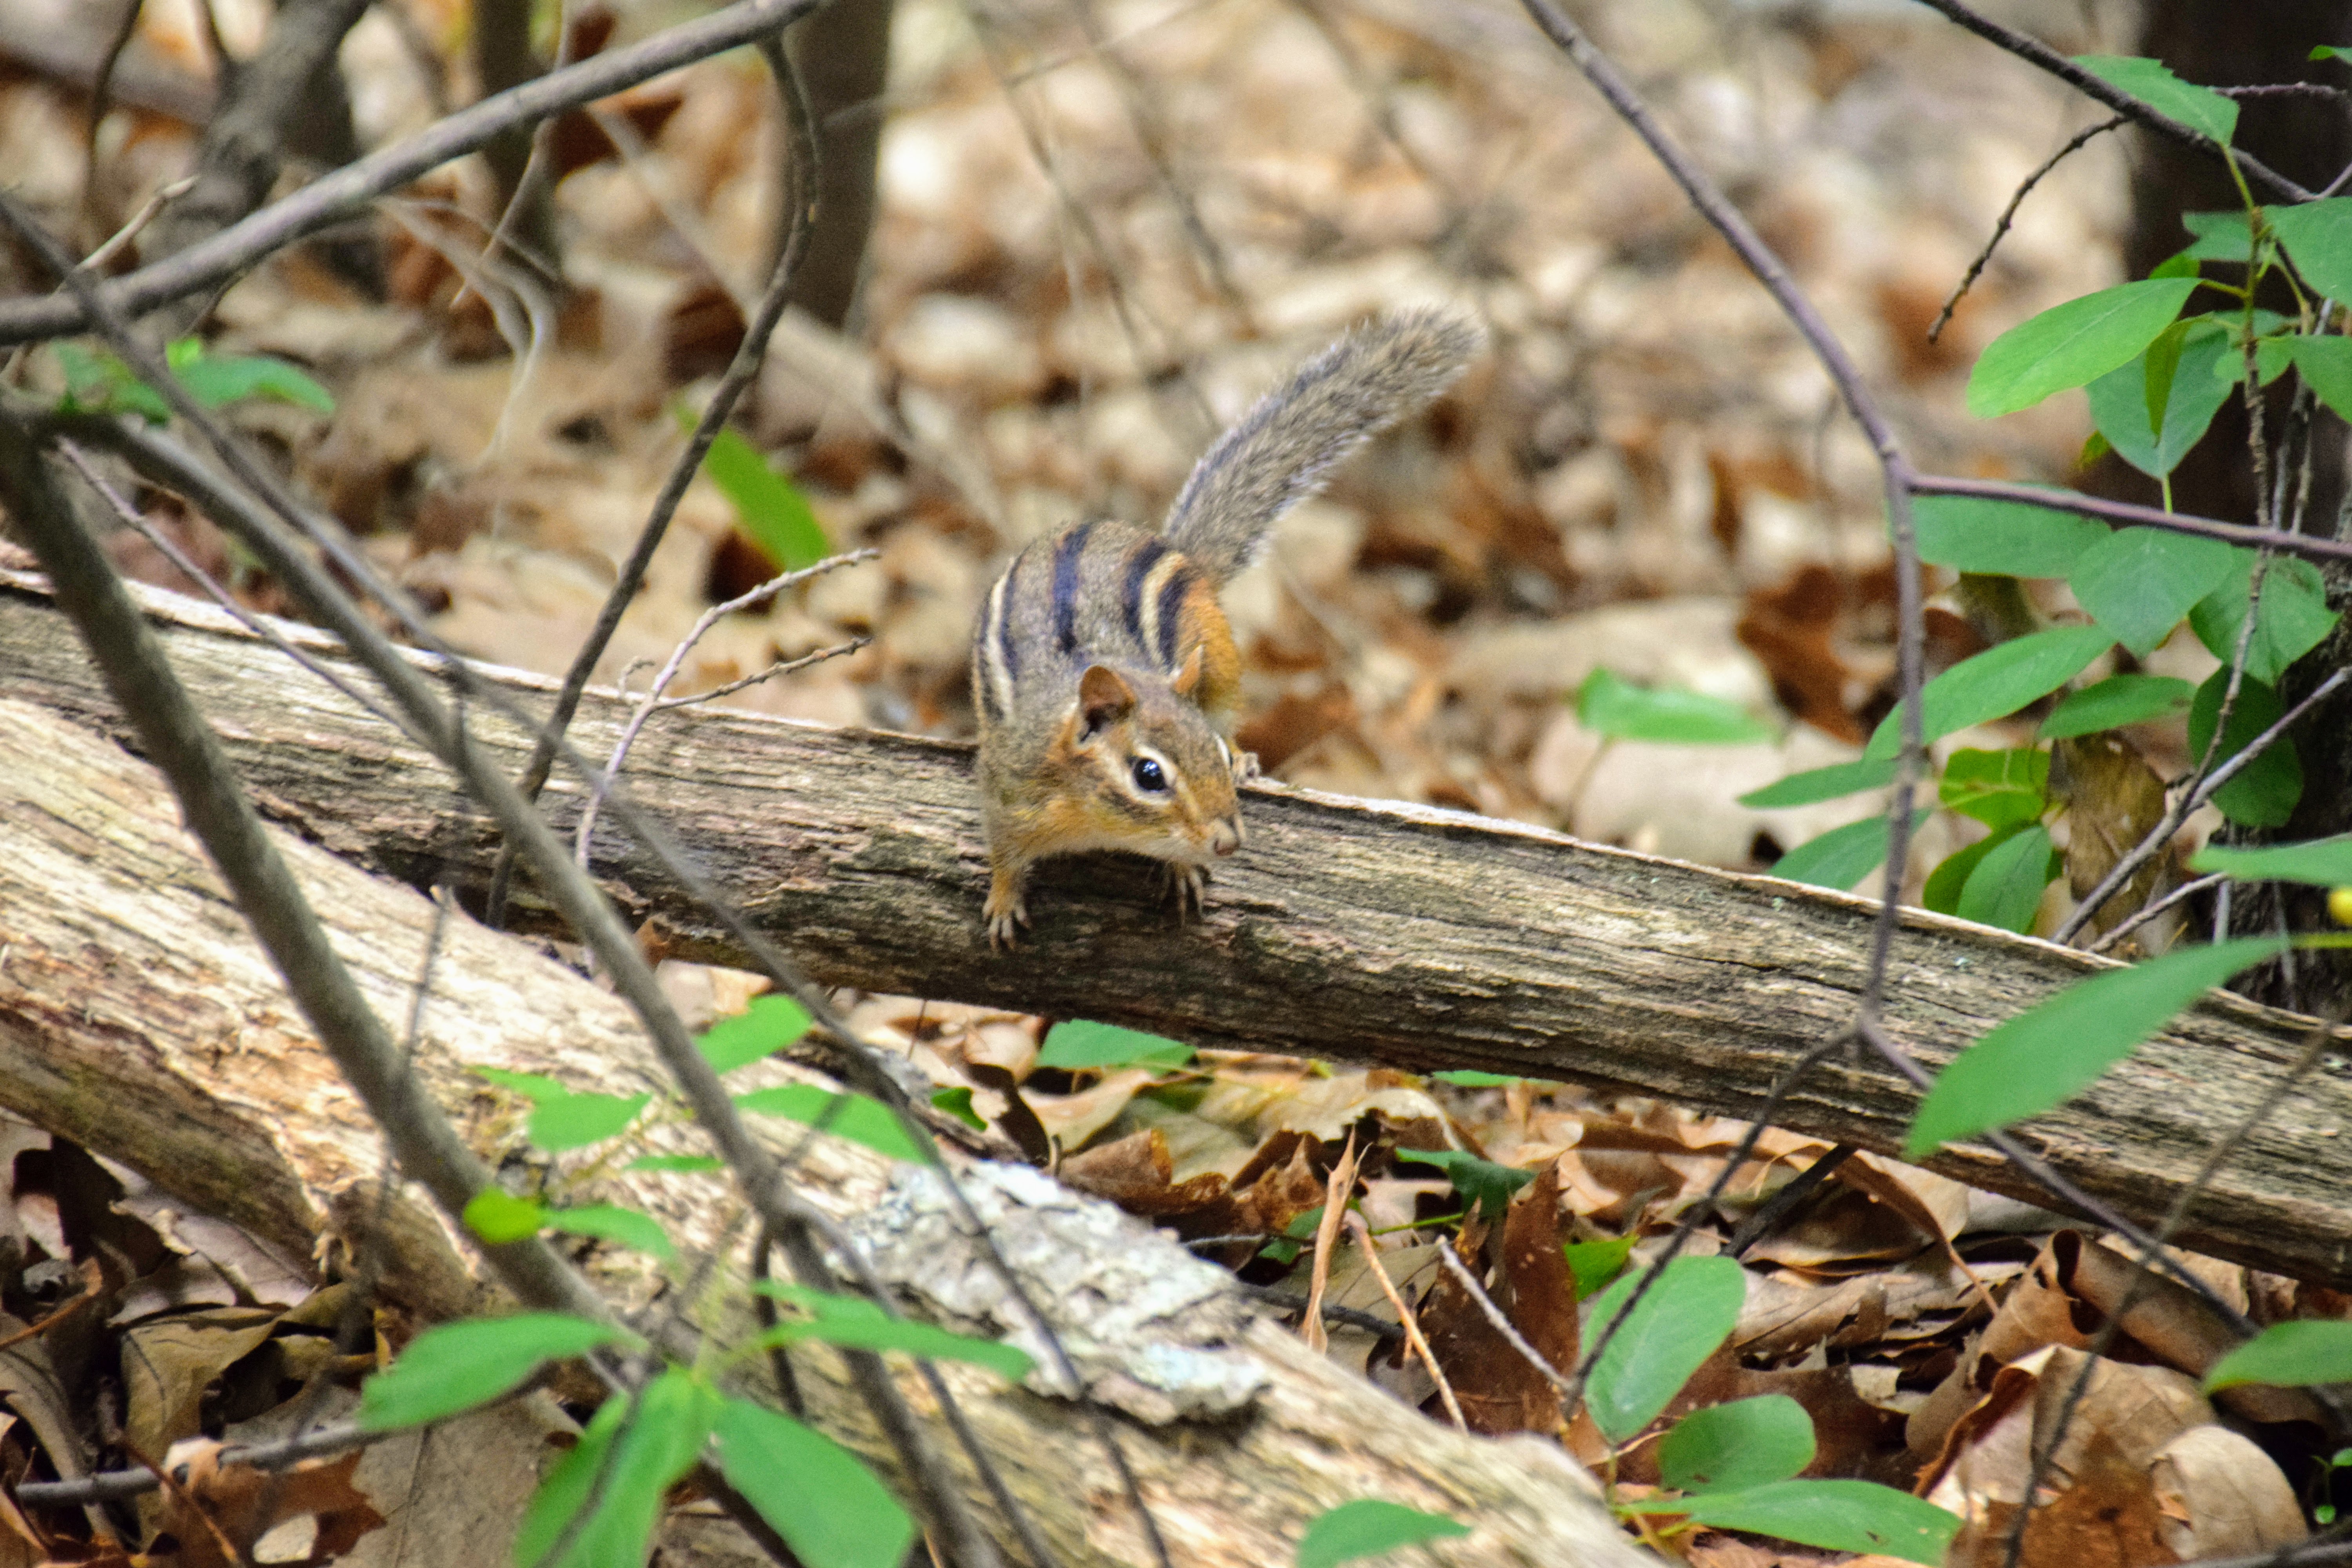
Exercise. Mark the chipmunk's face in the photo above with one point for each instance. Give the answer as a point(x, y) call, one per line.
point(1161, 779)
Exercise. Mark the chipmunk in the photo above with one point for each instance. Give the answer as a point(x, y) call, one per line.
point(1103, 672)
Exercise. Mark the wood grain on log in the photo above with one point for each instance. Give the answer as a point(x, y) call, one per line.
point(1369, 931)
point(139, 1017)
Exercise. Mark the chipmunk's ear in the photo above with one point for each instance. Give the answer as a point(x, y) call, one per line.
point(1104, 698)
point(1188, 676)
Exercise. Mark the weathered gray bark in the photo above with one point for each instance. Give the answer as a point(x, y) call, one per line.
point(139, 1017)
point(1346, 929)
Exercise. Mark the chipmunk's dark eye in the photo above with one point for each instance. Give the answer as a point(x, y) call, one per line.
point(1150, 775)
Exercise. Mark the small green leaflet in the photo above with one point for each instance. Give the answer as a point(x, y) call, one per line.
point(856, 1117)
point(1740, 1443)
point(1836, 1516)
point(2327, 367)
point(1837, 780)
point(610, 1222)
point(498, 1216)
point(1609, 706)
point(1594, 1264)
point(2322, 862)
point(2292, 620)
point(1079, 1044)
point(1999, 789)
point(676, 1165)
point(2200, 107)
point(2073, 343)
point(1677, 1324)
point(828, 1507)
point(2005, 887)
point(1996, 683)
point(2062, 1043)
point(2263, 794)
point(2330, 52)
point(460, 1365)
point(957, 1102)
point(101, 383)
point(859, 1324)
point(2185, 395)
point(2118, 701)
point(1481, 1181)
point(1842, 857)
point(770, 508)
point(1950, 878)
point(2288, 1356)
point(2140, 581)
point(2219, 237)
point(1471, 1078)
point(652, 1440)
point(1369, 1527)
point(575, 1121)
point(2004, 538)
point(2318, 239)
point(1284, 1250)
point(761, 1030)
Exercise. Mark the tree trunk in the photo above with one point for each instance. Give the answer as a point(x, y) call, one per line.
point(1387, 934)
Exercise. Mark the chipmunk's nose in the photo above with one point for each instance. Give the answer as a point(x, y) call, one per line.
point(1226, 836)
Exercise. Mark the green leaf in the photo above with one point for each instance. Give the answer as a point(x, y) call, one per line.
point(2318, 240)
point(1077, 1044)
point(1481, 1181)
point(1835, 1516)
point(676, 1165)
point(1593, 1264)
point(1996, 683)
point(1369, 1527)
point(576, 1121)
point(2322, 862)
point(2118, 701)
point(858, 1323)
point(101, 383)
point(2140, 581)
point(957, 1102)
point(761, 1030)
point(1677, 1324)
point(1842, 857)
point(2263, 794)
point(828, 1507)
point(610, 1222)
point(2008, 539)
point(860, 1119)
point(2191, 395)
point(534, 1087)
point(2062, 1043)
point(2327, 367)
point(2198, 108)
point(1823, 784)
point(2328, 52)
point(2073, 343)
point(2288, 1356)
point(2292, 620)
point(459, 1366)
point(1950, 878)
point(2005, 889)
point(769, 508)
point(1471, 1078)
point(2220, 236)
point(216, 383)
point(1609, 706)
point(1999, 789)
point(1743, 1442)
point(652, 1440)
point(498, 1216)
point(1284, 1248)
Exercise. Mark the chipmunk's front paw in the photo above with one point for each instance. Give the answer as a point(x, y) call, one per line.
point(1007, 913)
point(1187, 885)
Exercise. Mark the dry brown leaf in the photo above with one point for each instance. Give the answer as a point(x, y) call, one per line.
point(1499, 1389)
point(2221, 1496)
point(245, 1505)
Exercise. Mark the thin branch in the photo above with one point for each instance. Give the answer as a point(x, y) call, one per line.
point(113, 1486)
point(2180, 894)
point(740, 372)
point(2311, 547)
point(2082, 139)
point(2033, 51)
point(349, 189)
point(1774, 1209)
point(1412, 1329)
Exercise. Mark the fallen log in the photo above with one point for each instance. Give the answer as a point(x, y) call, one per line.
point(1353, 929)
point(138, 1017)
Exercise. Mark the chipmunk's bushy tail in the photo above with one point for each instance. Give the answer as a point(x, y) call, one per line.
point(1283, 450)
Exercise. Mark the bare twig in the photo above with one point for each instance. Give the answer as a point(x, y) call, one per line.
point(740, 372)
point(1413, 1336)
point(2311, 547)
point(2186, 890)
point(349, 189)
point(2081, 140)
